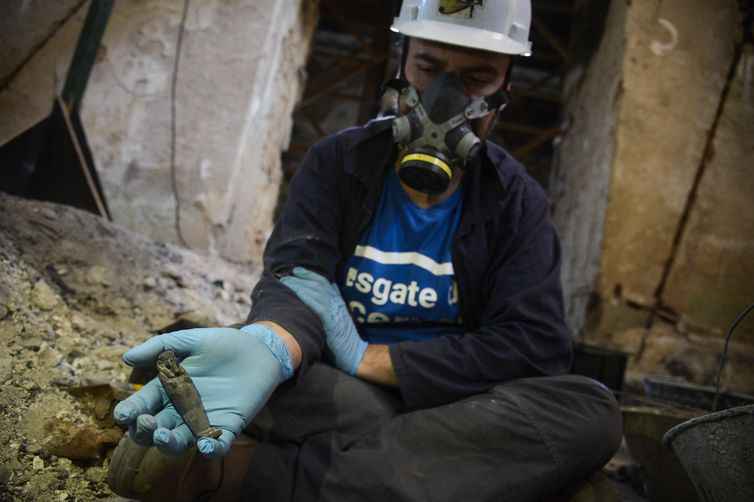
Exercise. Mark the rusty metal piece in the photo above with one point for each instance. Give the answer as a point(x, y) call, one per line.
point(182, 392)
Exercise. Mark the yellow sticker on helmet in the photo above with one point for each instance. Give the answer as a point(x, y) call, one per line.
point(453, 7)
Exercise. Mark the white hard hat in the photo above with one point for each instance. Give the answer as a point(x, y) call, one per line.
point(490, 25)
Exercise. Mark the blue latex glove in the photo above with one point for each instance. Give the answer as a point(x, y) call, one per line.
point(235, 371)
point(325, 300)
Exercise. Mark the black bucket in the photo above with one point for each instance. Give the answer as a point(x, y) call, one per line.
point(717, 451)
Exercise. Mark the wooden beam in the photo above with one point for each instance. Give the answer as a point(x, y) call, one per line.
point(551, 39)
point(314, 121)
point(521, 128)
point(323, 86)
point(526, 150)
point(539, 95)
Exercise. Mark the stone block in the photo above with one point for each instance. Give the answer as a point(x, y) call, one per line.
point(677, 58)
point(25, 26)
point(237, 81)
point(713, 276)
point(28, 97)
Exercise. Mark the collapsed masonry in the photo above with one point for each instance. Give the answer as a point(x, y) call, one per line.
point(188, 148)
point(76, 293)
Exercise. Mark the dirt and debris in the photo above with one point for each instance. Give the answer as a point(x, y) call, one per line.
point(75, 293)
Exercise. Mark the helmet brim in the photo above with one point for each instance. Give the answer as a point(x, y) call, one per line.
point(472, 38)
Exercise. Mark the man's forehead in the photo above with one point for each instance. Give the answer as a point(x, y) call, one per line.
point(431, 45)
point(438, 50)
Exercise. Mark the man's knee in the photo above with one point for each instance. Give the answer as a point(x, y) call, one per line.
point(604, 421)
point(578, 418)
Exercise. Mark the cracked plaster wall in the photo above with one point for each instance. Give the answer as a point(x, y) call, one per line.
point(643, 114)
point(239, 76)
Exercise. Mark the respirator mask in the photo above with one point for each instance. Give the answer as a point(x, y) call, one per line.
point(435, 136)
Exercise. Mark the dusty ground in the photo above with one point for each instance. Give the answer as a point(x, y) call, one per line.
point(75, 293)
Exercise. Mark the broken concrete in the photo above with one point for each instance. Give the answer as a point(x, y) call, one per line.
point(237, 80)
point(76, 293)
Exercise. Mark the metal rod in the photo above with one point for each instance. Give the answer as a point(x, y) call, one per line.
point(82, 159)
point(86, 52)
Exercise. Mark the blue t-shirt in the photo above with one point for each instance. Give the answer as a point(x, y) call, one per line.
point(399, 284)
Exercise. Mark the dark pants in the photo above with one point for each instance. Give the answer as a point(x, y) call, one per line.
point(333, 437)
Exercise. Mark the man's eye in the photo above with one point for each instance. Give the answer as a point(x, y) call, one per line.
point(426, 69)
point(475, 81)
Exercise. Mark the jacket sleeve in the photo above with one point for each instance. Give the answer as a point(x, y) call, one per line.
point(522, 332)
point(306, 235)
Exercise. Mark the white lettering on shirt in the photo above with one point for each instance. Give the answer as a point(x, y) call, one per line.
point(427, 298)
point(364, 282)
point(384, 290)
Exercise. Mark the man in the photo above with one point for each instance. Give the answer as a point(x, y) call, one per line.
point(406, 340)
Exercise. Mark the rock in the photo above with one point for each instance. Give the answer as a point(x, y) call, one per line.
point(78, 322)
point(3, 312)
point(97, 275)
point(32, 342)
point(57, 425)
point(104, 365)
point(48, 213)
point(37, 463)
point(6, 367)
point(43, 296)
point(29, 385)
point(48, 356)
point(81, 362)
point(96, 474)
point(81, 441)
point(242, 298)
point(5, 473)
point(149, 283)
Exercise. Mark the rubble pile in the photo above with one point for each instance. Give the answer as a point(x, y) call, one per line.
point(75, 293)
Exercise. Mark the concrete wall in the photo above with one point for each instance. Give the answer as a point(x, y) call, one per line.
point(677, 59)
point(238, 78)
point(25, 27)
point(584, 162)
point(659, 239)
point(713, 275)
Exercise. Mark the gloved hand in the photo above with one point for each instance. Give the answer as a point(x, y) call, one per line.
point(324, 298)
point(235, 371)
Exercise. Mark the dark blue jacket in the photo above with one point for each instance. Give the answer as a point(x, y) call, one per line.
point(506, 257)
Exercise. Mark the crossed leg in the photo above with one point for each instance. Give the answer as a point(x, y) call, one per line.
point(333, 437)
